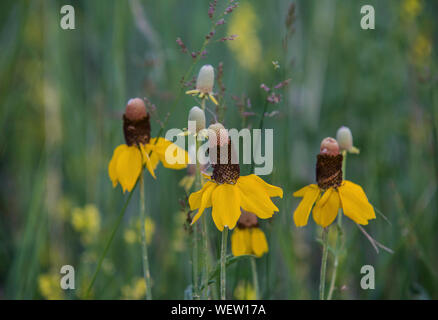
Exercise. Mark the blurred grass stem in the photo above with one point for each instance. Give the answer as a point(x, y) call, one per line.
point(110, 240)
point(255, 280)
point(146, 271)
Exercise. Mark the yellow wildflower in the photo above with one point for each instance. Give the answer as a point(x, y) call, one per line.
point(49, 286)
point(331, 193)
point(248, 238)
point(136, 291)
point(247, 47)
point(226, 192)
point(245, 291)
point(128, 159)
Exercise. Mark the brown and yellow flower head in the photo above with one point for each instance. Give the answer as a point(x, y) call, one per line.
point(140, 149)
point(248, 238)
point(227, 192)
point(332, 192)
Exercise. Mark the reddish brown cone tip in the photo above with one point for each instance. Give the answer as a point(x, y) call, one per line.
point(329, 146)
point(136, 124)
point(135, 109)
point(247, 220)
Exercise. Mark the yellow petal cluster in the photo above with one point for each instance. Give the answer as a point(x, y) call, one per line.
point(127, 161)
point(250, 193)
point(248, 241)
point(326, 204)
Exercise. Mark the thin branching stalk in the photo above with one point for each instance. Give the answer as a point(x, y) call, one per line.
point(323, 263)
point(223, 263)
point(110, 240)
point(146, 271)
point(255, 280)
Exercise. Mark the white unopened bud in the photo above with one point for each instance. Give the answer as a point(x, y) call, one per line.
point(205, 80)
point(198, 115)
point(345, 138)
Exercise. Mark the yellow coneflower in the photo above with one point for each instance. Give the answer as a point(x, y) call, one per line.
point(332, 192)
point(248, 238)
point(140, 149)
point(227, 192)
point(204, 84)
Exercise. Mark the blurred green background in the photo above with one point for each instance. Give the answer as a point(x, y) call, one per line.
point(63, 92)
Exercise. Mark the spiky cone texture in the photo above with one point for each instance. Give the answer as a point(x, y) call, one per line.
point(140, 149)
point(247, 237)
point(227, 192)
point(331, 193)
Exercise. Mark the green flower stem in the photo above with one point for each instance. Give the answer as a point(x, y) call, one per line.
point(323, 263)
point(204, 238)
point(223, 263)
point(204, 259)
point(195, 254)
point(340, 238)
point(195, 264)
point(110, 240)
point(255, 280)
point(146, 271)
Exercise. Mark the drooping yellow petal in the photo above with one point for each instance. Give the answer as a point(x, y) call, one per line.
point(112, 172)
point(226, 206)
point(205, 199)
point(326, 208)
point(192, 91)
point(259, 243)
point(212, 98)
point(273, 191)
point(128, 167)
point(309, 194)
point(240, 242)
point(172, 156)
point(300, 193)
point(355, 203)
point(196, 197)
point(150, 166)
point(255, 198)
point(147, 151)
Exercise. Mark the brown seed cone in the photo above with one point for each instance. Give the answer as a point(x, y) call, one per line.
point(329, 171)
point(247, 220)
point(137, 131)
point(225, 172)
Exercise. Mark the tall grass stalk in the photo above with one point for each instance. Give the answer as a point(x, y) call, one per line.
point(110, 240)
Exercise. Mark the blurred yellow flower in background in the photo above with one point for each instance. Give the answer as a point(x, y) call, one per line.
point(248, 238)
point(132, 235)
point(49, 286)
point(411, 9)
point(421, 50)
point(86, 221)
point(136, 291)
point(247, 47)
point(244, 291)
